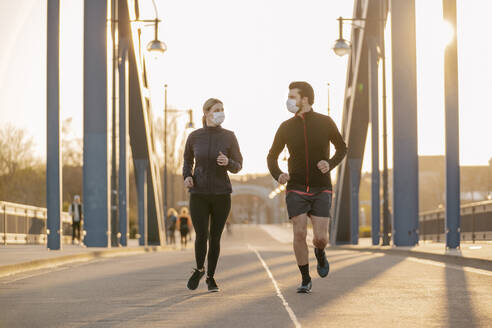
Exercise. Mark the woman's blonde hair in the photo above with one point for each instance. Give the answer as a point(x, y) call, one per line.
point(172, 211)
point(206, 107)
point(184, 211)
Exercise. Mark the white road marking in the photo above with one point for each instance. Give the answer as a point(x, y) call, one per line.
point(451, 266)
point(279, 293)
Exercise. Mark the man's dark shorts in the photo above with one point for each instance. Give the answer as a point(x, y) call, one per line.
point(317, 204)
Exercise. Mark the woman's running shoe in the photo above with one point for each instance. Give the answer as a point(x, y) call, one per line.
point(195, 278)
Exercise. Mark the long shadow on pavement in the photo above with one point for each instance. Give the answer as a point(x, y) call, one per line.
point(317, 300)
point(240, 285)
point(460, 309)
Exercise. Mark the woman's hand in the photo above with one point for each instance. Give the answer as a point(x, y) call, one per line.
point(188, 182)
point(222, 159)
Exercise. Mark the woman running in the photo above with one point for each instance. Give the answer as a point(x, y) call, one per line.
point(184, 224)
point(213, 151)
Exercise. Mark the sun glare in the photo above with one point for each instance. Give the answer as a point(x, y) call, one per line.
point(447, 33)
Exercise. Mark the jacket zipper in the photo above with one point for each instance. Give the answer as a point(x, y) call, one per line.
point(307, 153)
point(210, 181)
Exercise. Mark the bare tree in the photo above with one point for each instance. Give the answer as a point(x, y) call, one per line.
point(174, 141)
point(16, 150)
point(22, 176)
point(72, 147)
point(176, 138)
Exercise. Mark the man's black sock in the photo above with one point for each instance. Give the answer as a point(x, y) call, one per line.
point(306, 278)
point(320, 255)
point(319, 252)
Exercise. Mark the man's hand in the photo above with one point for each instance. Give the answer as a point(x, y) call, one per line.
point(283, 178)
point(323, 166)
point(188, 182)
point(222, 159)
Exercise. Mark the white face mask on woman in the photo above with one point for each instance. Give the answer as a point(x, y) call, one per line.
point(292, 106)
point(218, 118)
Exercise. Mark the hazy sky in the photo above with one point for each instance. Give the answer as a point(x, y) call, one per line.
point(246, 53)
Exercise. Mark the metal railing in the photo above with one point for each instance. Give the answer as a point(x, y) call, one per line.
point(24, 224)
point(476, 223)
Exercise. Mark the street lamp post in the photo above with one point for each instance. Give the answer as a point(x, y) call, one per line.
point(156, 46)
point(342, 47)
point(386, 227)
point(114, 131)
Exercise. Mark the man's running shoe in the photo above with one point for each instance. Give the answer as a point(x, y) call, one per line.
point(212, 285)
point(305, 289)
point(323, 265)
point(195, 279)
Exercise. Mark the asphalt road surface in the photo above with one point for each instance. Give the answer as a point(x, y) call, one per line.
point(258, 277)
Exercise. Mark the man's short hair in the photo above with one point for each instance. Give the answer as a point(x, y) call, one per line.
point(305, 90)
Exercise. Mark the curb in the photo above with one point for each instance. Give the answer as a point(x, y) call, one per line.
point(11, 269)
point(477, 263)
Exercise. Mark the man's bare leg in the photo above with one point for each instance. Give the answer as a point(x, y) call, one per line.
point(299, 225)
point(320, 231)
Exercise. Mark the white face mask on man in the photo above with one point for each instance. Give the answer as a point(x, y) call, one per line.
point(292, 106)
point(218, 118)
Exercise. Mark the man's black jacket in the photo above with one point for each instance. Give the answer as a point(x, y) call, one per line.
point(203, 147)
point(308, 137)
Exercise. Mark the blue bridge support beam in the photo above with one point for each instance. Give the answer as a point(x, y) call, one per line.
point(53, 147)
point(97, 126)
point(405, 158)
point(452, 131)
point(374, 119)
point(115, 117)
point(123, 183)
point(141, 168)
point(355, 165)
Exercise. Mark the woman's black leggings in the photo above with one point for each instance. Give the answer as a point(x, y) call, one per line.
point(205, 209)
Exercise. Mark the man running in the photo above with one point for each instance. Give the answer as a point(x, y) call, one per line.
point(309, 190)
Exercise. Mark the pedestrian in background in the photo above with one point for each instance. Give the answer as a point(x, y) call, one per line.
point(172, 218)
point(75, 211)
point(184, 225)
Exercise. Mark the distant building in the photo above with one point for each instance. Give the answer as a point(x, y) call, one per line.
point(475, 182)
point(431, 182)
